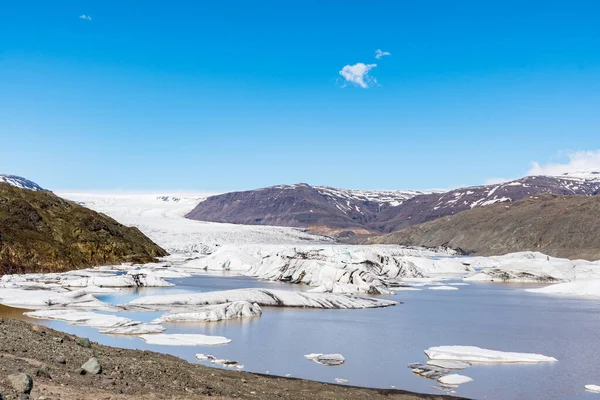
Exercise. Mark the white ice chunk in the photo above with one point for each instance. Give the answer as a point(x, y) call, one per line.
point(476, 354)
point(326, 359)
point(181, 339)
point(443, 287)
point(130, 280)
point(449, 364)
point(85, 318)
point(589, 288)
point(592, 388)
point(212, 313)
point(140, 329)
point(454, 379)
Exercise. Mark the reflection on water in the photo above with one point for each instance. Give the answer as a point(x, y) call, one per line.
point(379, 343)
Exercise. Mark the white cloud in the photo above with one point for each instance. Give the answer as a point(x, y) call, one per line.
point(358, 74)
point(86, 17)
point(579, 161)
point(380, 53)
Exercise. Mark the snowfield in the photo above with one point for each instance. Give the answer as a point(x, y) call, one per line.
point(161, 218)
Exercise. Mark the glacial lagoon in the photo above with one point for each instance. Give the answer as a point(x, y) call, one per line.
point(378, 344)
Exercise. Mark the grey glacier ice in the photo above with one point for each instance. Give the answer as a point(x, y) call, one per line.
point(326, 359)
point(212, 313)
point(262, 297)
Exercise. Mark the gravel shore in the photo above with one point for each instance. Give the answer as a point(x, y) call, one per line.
point(54, 360)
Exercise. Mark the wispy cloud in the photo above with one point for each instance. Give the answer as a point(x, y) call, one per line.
point(358, 74)
point(379, 54)
point(579, 161)
point(86, 17)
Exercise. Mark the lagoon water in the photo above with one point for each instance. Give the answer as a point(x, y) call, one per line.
point(379, 343)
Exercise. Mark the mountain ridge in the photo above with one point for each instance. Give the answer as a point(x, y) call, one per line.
point(346, 212)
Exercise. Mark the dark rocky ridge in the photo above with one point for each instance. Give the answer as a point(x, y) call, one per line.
point(292, 205)
point(299, 205)
point(40, 232)
point(560, 226)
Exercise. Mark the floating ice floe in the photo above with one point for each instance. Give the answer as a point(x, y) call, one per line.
point(129, 280)
point(341, 380)
point(40, 299)
point(110, 324)
point(263, 297)
point(205, 357)
point(326, 359)
point(592, 388)
point(181, 339)
point(213, 313)
point(479, 355)
point(404, 289)
point(428, 371)
point(442, 288)
point(590, 288)
point(454, 379)
point(449, 364)
point(84, 318)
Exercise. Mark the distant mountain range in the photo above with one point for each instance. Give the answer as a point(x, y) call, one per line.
point(347, 212)
point(560, 226)
point(19, 182)
point(324, 209)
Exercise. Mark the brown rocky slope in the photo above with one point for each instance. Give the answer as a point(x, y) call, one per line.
point(40, 232)
point(560, 226)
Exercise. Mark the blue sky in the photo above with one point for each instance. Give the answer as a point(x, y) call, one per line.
point(242, 94)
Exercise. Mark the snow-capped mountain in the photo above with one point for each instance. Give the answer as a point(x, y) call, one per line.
point(302, 205)
point(20, 182)
point(429, 207)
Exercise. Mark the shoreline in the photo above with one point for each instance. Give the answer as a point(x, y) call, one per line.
point(136, 374)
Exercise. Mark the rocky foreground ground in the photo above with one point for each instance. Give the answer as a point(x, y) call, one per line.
point(63, 366)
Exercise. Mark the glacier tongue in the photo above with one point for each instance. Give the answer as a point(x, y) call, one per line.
point(331, 268)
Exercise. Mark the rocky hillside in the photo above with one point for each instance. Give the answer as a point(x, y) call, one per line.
point(560, 226)
point(366, 212)
point(301, 205)
point(39, 231)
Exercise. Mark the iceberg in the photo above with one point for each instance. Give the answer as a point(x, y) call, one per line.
point(212, 313)
point(140, 329)
point(479, 355)
point(129, 280)
point(262, 297)
point(84, 318)
point(40, 299)
point(454, 379)
point(326, 359)
point(592, 388)
point(428, 371)
point(182, 339)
